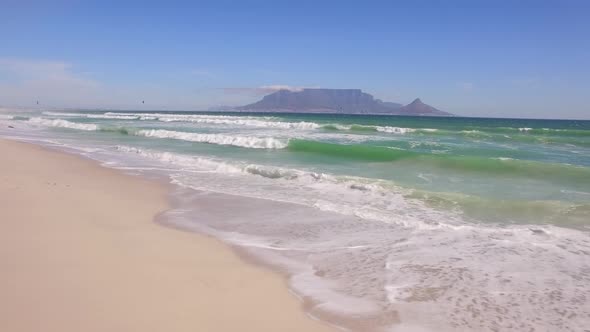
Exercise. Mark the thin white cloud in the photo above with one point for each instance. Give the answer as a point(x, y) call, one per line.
point(33, 68)
point(57, 84)
point(525, 82)
point(266, 89)
point(273, 88)
point(203, 73)
point(466, 86)
point(29, 80)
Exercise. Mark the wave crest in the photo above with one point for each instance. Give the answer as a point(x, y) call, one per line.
point(260, 122)
point(63, 124)
point(221, 139)
point(367, 128)
point(93, 116)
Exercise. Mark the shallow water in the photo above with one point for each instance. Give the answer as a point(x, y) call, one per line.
point(441, 223)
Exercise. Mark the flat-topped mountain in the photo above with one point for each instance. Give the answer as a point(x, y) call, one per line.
point(346, 101)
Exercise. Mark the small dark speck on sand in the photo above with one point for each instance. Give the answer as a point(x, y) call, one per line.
point(11, 127)
point(537, 231)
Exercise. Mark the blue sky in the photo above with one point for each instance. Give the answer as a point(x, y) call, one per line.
point(475, 58)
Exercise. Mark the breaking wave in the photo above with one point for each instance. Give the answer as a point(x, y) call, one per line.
point(221, 139)
point(358, 152)
point(63, 124)
point(93, 115)
point(499, 166)
point(521, 131)
point(260, 122)
point(248, 121)
point(381, 129)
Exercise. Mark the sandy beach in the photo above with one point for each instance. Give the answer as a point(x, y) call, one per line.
point(79, 251)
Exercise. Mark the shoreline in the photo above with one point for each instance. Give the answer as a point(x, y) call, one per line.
point(126, 273)
point(315, 304)
point(359, 250)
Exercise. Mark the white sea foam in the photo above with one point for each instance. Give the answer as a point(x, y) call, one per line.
point(574, 192)
point(245, 122)
point(93, 115)
point(229, 120)
point(525, 129)
point(370, 199)
point(184, 162)
point(221, 139)
point(260, 122)
point(432, 268)
point(188, 116)
point(370, 252)
point(486, 279)
point(63, 124)
point(427, 144)
point(394, 130)
point(382, 129)
point(6, 117)
point(468, 277)
point(207, 164)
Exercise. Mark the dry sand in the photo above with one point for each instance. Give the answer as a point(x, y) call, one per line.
point(79, 251)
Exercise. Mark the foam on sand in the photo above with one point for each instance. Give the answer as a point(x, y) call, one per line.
point(469, 227)
point(465, 277)
point(390, 256)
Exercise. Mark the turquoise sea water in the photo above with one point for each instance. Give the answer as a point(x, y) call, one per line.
point(425, 212)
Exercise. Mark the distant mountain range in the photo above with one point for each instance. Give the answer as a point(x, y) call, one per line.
point(345, 101)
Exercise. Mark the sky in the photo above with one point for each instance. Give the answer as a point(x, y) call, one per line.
point(472, 58)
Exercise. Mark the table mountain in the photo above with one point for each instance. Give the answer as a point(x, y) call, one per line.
point(346, 101)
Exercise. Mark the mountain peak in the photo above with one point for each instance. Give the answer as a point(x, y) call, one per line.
point(417, 107)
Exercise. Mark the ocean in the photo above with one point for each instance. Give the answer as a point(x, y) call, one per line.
point(380, 222)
